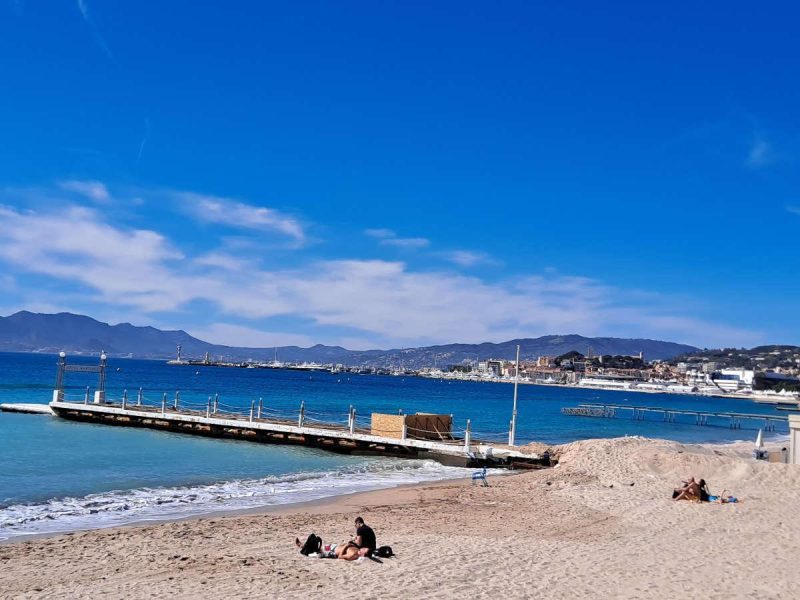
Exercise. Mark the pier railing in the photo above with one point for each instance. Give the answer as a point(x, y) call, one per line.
point(258, 411)
point(669, 415)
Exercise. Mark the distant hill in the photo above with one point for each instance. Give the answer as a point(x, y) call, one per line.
point(35, 332)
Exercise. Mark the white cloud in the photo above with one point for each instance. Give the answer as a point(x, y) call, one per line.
point(93, 190)
point(388, 237)
point(793, 209)
point(224, 211)
point(237, 335)
point(760, 155)
point(381, 303)
point(468, 258)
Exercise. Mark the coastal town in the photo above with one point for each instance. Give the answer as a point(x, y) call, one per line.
point(765, 374)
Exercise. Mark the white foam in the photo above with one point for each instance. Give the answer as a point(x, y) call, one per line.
point(116, 508)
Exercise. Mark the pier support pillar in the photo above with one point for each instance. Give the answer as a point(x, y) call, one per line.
point(99, 397)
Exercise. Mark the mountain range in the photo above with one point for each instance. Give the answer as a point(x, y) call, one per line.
point(36, 332)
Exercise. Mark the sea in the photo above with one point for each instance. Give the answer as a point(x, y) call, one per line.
point(57, 475)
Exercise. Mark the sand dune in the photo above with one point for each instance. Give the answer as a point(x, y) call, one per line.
point(600, 525)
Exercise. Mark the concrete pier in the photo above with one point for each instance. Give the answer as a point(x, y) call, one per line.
point(332, 437)
point(31, 409)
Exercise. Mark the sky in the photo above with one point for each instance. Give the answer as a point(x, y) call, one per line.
point(394, 174)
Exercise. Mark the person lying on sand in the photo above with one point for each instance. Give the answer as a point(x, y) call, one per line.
point(346, 551)
point(692, 490)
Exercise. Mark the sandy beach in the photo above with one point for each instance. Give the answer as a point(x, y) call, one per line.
point(600, 525)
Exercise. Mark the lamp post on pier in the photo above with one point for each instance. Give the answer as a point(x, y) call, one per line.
point(512, 434)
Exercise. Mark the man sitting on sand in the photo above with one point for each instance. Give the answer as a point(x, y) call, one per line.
point(365, 538)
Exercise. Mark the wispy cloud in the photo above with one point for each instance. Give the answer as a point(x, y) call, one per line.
point(383, 303)
point(93, 190)
point(144, 139)
point(469, 258)
point(83, 7)
point(388, 237)
point(407, 243)
point(761, 154)
point(225, 211)
point(793, 208)
point(380, 233)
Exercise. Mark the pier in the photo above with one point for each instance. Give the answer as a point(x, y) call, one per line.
point(701, 417)
point(420, 435)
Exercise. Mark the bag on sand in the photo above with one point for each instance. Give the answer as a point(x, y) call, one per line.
point(383, 552)
point(313, 544)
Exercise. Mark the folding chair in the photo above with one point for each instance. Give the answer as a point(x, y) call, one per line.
point(480, 476)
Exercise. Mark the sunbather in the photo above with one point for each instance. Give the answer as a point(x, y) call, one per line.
point(692, 490)
point(346, 551)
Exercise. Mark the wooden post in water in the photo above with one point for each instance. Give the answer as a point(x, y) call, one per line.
point(124, 399)
point(302, 416)
point(260, 406)
point(164, 405)
point(86, 397)
point(468, 435)
point(139, 398)
point(177, 399)
point(252, 409)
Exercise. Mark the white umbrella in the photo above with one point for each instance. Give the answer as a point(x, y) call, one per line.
point(759, 440)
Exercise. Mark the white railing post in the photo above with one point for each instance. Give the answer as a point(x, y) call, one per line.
point(349, 416)
point(208, 408)
point(124, 399)
point(86, 397)
point(252, 409)
point(302, 415)
point(511, 433)
point(405, 429)
point(177, 399)
point(468, 436)
point(353, 421)
point(139, 398)
point(216, 403)
point(260, 406)
point(164, 405)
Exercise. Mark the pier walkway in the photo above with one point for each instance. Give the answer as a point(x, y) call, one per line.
point(701, 417)
point(261, 424)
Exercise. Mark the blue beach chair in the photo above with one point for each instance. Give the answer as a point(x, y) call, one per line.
point(480, 476)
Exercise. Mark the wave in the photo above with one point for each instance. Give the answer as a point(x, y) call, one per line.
point(109, 509)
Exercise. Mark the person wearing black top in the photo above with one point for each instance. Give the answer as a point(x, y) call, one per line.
point(365, 538)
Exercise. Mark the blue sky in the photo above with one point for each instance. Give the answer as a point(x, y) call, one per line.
point(385, 174)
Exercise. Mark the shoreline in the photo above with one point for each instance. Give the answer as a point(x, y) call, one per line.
point(601, 524)
point(317, 506)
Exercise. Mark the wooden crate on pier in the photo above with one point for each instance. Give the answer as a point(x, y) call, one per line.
point(423, 426)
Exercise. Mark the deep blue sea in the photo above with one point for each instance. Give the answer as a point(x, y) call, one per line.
point(57, 475)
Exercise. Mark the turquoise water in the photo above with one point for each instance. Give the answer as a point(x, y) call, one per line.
point(57, 475)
